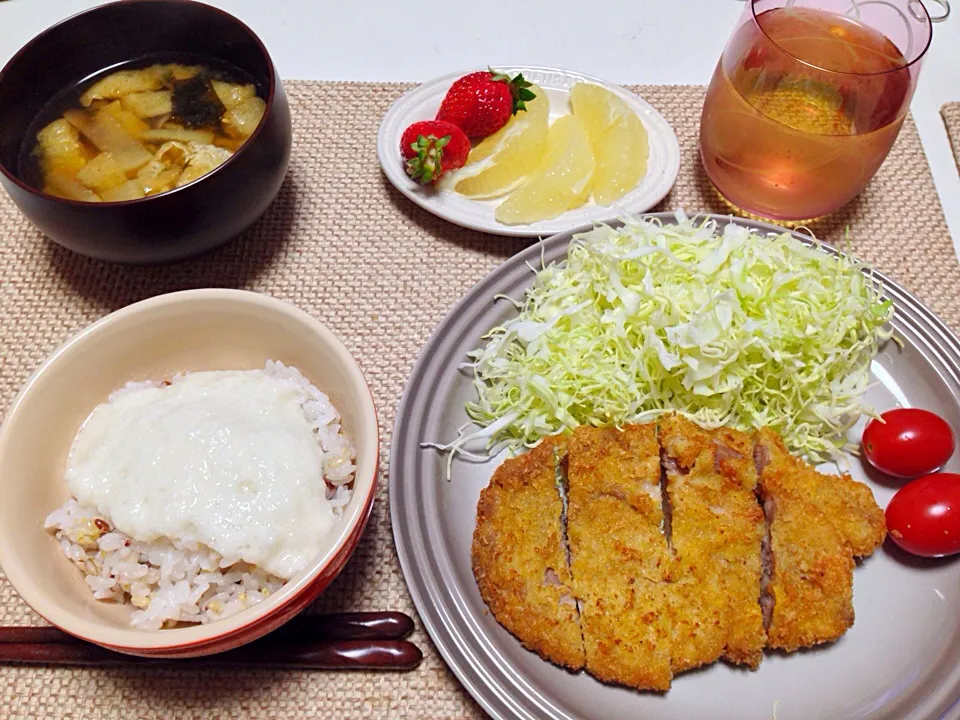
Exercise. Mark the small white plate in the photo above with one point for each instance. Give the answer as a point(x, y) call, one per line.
point(422, 103)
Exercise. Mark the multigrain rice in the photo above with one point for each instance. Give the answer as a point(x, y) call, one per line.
point(171, 580)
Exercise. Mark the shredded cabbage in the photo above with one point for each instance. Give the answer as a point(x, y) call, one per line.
point(729, 328)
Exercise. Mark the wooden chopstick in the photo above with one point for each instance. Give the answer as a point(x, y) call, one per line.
point(384, 625)
point(381, 625)
point(329, 655)
point(343, 641)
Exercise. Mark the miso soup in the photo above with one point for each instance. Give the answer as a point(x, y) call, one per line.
point(141, 130)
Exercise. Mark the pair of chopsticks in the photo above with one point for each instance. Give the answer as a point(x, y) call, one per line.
point(345, 641)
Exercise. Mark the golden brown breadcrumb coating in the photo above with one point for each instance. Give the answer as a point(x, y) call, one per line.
point(519, 559)
point(849, 505)
point(716, 533)
point(818, 523)
point(634, 584)
point(619, 556)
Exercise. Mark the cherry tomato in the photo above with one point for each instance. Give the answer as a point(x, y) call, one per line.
point(910, 443)
point(924, 516)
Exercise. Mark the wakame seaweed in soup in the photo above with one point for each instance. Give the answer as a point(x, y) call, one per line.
point(140, 130)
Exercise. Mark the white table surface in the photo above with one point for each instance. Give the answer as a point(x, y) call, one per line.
point(625, 41)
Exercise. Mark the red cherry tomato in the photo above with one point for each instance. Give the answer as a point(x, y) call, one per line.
point(924, 516)
point(910, 443)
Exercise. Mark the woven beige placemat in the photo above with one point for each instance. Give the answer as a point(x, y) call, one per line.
point(950, 113)
point(340, 243)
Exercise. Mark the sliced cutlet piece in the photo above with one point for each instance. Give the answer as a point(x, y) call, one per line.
point(619, 556)
point(717, 530)
point(817, 524)
point(519, 558)
point(849, 505)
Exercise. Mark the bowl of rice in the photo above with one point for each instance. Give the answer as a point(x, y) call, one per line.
point(186, 474)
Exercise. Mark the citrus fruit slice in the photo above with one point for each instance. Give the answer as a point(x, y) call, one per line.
point(504, 160)
point(618, 138)
point(561, 182)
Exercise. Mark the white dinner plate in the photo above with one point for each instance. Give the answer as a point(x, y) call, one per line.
point(422, 103)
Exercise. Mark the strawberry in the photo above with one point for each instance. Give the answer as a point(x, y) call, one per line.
point(432, 148)
point(482, 102)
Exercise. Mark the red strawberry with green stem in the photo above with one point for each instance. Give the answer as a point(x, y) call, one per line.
point(432, 148)
point(482, 102)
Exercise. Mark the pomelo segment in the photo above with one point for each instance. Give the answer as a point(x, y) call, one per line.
point(561, 182)
point(503, 161)
point(618, 138)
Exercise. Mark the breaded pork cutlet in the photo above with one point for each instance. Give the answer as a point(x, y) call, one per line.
point(848, 504)
point(716, 533)
point(817, 525)
point(519, 558)
point(619, 556)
